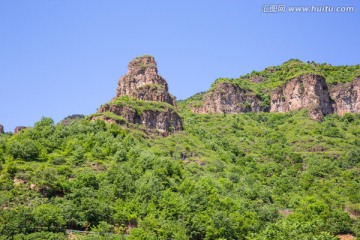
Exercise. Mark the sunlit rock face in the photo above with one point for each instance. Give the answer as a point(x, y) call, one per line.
point(308, 91)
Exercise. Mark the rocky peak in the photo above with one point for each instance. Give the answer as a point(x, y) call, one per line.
point(142, 98)
point(143, 65)
point(1, 129)
point(305, 91)
point(143, 82)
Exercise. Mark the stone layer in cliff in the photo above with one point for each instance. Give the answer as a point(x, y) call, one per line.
point(308, 91)
point(227, 97)
point(165, 120)
point(346, 97)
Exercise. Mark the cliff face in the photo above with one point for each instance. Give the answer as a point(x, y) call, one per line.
point(309, 91)
point(305, 91)
point(166, 120)
point(142, 98)
point(346, 97)
point(229, 98)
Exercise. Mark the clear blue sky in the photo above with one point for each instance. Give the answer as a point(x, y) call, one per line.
point(60, 57)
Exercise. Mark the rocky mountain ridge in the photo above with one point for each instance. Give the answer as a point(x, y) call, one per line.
point(305, 90)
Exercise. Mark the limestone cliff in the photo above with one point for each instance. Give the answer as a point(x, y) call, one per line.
point(305, 91)
point(346, 97)
point(227, 97)
point(142, 98)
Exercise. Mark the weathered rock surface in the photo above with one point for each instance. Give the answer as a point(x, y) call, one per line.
point(142, 84)
point(1, 129)
point(227, 97)
point(305, 91)
point(346, 97)
point(165, 120)
point(18, 129)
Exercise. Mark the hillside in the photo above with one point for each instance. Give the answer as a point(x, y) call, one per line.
point(321, 88)
point(146, 167)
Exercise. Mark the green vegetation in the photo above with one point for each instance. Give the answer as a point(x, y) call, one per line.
point(108, 116)
point(139, 105)
point(273, 77)
point(234, 176)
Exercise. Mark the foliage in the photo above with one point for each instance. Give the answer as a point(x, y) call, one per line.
point(224, 177)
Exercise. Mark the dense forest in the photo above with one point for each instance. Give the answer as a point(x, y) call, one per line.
point(244, 176)
point(223, 176)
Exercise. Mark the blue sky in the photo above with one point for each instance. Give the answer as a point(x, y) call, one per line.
point(62, 57)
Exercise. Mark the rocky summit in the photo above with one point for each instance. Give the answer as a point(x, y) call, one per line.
point(142, 98)
point(143, 82)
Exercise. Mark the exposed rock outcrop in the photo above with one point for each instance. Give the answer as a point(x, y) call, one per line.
point(142, 97)
point(1, 129)
point(18, 129)
point(165, 120)
point(143, 82)
point(305, 91)
point(227, 97)
point(346, 97)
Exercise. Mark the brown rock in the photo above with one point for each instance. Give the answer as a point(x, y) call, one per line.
point(18, 129)
point(346, 97)
point(227, 97)
point(143, 82)
point(305, 91)
point(153, 92)
point(166, 120)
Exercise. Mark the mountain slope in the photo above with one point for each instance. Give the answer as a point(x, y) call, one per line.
point(255, 175)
